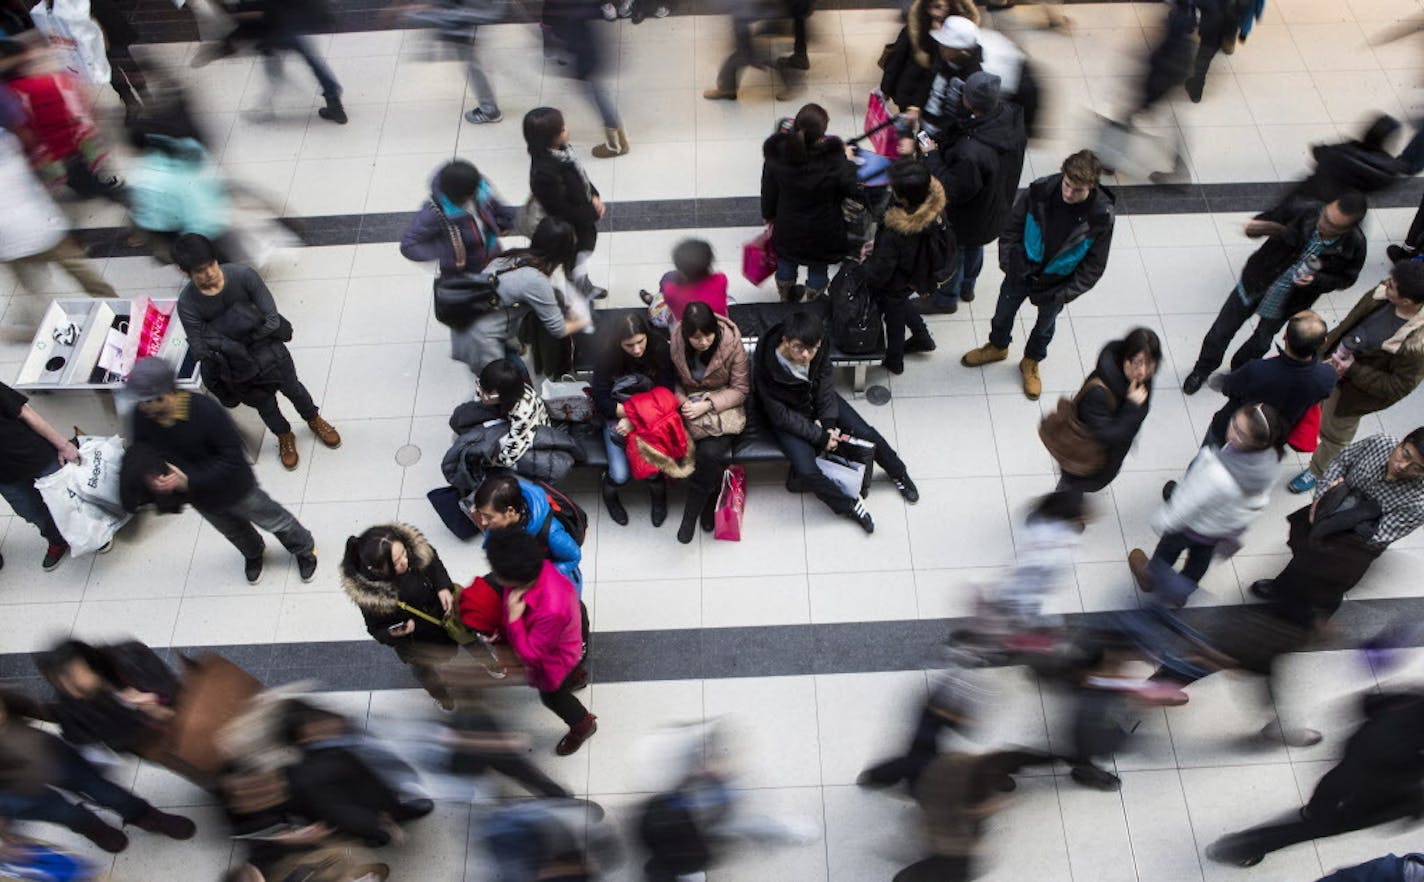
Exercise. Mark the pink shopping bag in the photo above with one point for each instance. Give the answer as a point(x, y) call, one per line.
point(876, 114)
point(731, 504)
point(758, 260)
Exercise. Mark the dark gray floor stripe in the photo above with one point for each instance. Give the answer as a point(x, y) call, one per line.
point(745, 211)
point(707, 653)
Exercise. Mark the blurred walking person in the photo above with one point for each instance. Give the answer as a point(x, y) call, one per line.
point(568, 22)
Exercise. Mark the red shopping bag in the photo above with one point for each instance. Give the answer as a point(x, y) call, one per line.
point(731, 503)
point(1305, 437)
point(876, 114)
point(758, 260)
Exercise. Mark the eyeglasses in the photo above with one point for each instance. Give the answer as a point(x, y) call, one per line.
point(802, 349)
point(1413, 464)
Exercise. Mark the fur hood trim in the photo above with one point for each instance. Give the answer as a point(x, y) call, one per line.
point(673, 468)
point(919, 38)
point(381, 596)
point(909, 223)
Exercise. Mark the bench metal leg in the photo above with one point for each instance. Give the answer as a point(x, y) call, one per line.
point(862, 372)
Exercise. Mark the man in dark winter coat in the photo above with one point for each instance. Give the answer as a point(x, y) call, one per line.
point(1309, 250)
point(208, 468)
point(980, 173)
point(1379, 778)
point(1364, 164)
point(1053, 250)
point(234, 328)
point(1291, 382)
point(796, 391)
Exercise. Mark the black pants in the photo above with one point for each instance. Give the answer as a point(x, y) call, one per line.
point(809, 477)
point(898, 317)
point(126, 77)
point(1199, 554)
point(562, 700)
point(520, 770)
point(924, 747)
point(712, 456)
point(744, 54)
point(1216, 22)
point(1229, 320)
point(939, 868)
point(295, 392)
point(1415, 239)
point(1321, 822)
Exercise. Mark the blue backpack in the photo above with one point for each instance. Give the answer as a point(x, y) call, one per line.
point(41, 863)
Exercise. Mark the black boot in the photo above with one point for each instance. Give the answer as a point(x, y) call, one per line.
point(613, 503)
point(333, 110)
point(709, 514)
point(692, 510)
point(657, 489)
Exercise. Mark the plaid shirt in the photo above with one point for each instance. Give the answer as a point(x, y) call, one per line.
point(1273, 303)
point(1363, 465)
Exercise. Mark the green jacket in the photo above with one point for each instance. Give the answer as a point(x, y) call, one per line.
point(1378, 379)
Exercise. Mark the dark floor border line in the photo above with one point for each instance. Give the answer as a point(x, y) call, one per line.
point(745, 211)
point(705, 653)
point(158, 21)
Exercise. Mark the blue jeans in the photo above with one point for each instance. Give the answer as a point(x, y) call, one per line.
point(76, 775)
point(817, 276)
point(808, 477)
point(28, 504)
point(1001, 328)
point(302, 45)
point(971, 263)
point(618, 469)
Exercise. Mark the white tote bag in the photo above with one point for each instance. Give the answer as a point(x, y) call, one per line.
point(82, 497)
point(75, 37)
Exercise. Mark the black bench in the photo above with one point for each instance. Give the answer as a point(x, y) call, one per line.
point(754, 444)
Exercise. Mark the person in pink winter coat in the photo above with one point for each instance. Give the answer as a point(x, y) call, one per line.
point(546, 626)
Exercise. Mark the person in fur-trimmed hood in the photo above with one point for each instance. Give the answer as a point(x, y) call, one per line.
point(914, 252)
point(396, 579)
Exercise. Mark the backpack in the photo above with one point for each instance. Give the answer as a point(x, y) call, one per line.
point(941, 255)
point(570, 515)
point(856, 328)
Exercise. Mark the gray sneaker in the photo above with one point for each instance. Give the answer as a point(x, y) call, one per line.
point(478, 116)
point(306, 566)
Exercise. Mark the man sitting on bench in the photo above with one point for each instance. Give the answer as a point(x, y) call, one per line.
point(794, 386)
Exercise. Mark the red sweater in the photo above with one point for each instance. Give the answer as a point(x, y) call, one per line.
point(57, 113)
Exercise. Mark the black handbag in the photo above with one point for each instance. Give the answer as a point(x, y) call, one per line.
point(459, 300)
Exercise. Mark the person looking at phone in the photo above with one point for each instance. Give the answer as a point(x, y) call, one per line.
point(795, 389)
point(398, 582)
point(1309, 250)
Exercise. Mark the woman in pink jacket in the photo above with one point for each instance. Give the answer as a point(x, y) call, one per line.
point(546, 626)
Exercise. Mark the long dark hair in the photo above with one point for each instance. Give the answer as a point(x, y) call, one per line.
point(1266, 428)
point(369, 554)
point(505, 379)
point(630, 324)
point(698, 318)
point(1140, 340)
point(553, 245)
point(542, 126)
point(807, 130)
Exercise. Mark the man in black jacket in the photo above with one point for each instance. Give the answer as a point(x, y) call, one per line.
point(797, 394)
point(1053, 250)
point(1290, 383)
point(1310, 250)
point(207, 466)
point(979, 170)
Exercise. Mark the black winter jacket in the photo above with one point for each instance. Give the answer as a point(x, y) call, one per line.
point(980, 172)
point(1348, 166)
point(790, 405)
point(1290, 385)
point(1340, 262)
point(1081, 258)
point(803, 199)
point(910, 69)
point(1110, 417)
point(205, 445)
point(655, 365)
point(559, 186)
point(419, 586)
point(901, 262)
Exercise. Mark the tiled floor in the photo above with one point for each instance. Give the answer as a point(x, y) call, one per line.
point(373, 356)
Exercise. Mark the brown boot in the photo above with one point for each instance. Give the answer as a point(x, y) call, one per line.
point(615, 144)
point(986, 354)
point(324, 432)
point(578, 734)
point(287, 450)
point(1137, 562)
point(1032, 385)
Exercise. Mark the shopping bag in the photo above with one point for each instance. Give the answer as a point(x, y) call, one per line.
point(75, 37)
point(101, 460)
point(85, 526)
point(758, 258)
point(1305, 437)
point(877, 115)
point(567, 400)
point(731, 504)
point(148, 323)
point(850, 466)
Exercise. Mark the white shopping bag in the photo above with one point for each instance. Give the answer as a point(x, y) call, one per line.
point(567, 400)
point(86, 525)
point(101, 460)
point(850, 465)
point(75, 38)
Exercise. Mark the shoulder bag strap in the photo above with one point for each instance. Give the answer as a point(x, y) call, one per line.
point(424, 615)
point(456, 240)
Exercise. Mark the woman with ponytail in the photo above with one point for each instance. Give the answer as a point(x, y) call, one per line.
point(805, 178)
